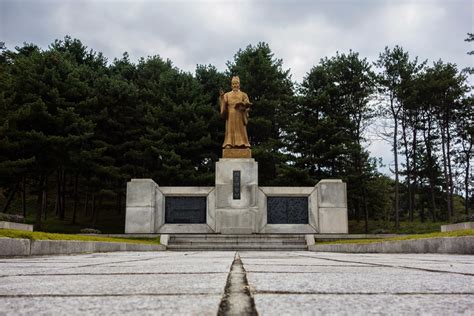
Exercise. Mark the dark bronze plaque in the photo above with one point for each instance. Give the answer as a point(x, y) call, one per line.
point(287, 210)
point(236, 184)
point(188, 210)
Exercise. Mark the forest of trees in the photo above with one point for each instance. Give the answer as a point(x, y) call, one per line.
point(74, 128)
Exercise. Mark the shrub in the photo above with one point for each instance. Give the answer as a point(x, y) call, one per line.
point(12, 218)
point(90, 231)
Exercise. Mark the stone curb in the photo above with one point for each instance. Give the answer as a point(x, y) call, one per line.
point(453, 245)
point(17, 226)
point(458, 226)
point(26, 247)
point(14, 247)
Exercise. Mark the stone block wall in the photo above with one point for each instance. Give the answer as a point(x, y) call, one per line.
point(332, 207)
point(142, 212)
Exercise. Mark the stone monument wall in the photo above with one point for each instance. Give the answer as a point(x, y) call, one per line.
point(236, 205)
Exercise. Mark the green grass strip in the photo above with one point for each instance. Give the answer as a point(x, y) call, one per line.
point(457, 233)
point(13, 233)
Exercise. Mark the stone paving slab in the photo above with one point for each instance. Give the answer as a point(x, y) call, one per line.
point(360, 284)
point(319, 269)
point(107, 263)
point(448, 263)
point(114, 284)
point(130, 305)
point(294, 259)
point(301, 268)
point(193, 283)
point(379, 280)
point(364, 304)
point(48, 264)
point(395, 257)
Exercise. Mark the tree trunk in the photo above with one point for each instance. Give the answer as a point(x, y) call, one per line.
point(397, 198)
point(45, 200)
point(62, 199)
point(93, 207)
point(446, 178)
point(74, 211)
point(366, 209)
point(96, 213)
point(357, 211)
point(10, 197)
point(422, 212)
point(395, 113)
point(433, 203)
point(450, 173)
point(119, 203)
point(413, 169)
point(44, 205)
point(408, 171)
point(86, 203)
point(58, 193)
point(39, 203)
point(431, 171)
point(466, 180)
point(23, 196)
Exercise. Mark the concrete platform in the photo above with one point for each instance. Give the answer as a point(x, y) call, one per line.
point(278, 283)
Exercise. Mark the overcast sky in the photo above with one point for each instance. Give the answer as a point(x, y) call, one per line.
point(211, 32)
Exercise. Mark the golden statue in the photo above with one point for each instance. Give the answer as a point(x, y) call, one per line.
point(235, 106)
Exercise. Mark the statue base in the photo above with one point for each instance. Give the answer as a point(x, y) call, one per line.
point(236, 195)
point(236, 153)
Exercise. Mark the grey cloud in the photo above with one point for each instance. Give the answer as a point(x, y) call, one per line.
point(202, 32)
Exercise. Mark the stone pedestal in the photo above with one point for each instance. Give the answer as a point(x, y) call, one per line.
point(236, 196)
point(236, 153)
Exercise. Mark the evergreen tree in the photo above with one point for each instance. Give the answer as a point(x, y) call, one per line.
point(329, 121)
point(43, 122)
point(397, 71)
point(178, 113)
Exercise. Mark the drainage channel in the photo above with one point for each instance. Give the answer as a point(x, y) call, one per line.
point(237, 299)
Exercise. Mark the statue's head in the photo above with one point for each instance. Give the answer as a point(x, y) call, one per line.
point(235, 83)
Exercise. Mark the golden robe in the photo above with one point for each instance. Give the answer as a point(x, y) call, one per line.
point(236, 119)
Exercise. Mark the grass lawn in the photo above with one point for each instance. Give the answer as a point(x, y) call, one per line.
point(12, 233)
point(458, 233)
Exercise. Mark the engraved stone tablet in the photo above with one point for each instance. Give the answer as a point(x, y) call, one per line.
point(236, 184)
point(287, 210)
point(191, 210)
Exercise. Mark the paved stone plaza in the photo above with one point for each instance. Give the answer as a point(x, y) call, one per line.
point(288, 283)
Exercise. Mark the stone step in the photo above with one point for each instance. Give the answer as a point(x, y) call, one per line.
point(234, 240)
point(239, 235)
point(194, 242)
point(195, 247)
point(235, 243)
